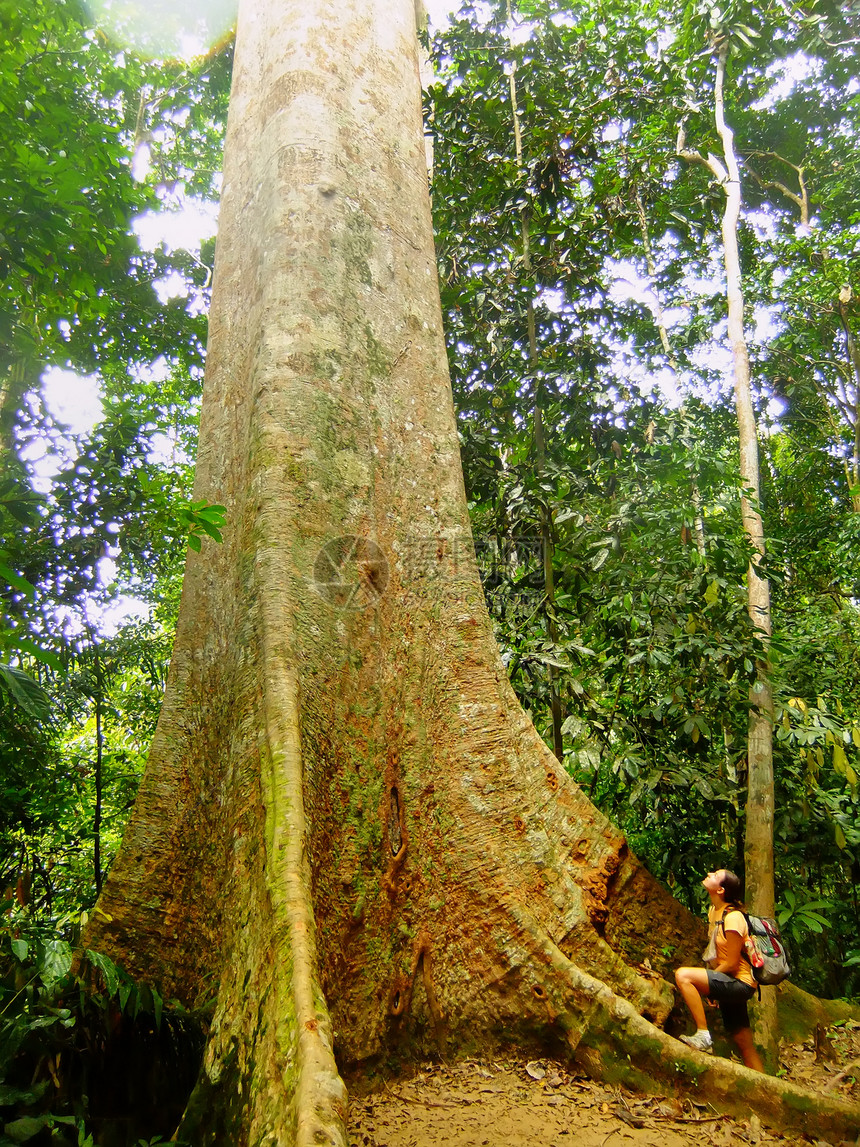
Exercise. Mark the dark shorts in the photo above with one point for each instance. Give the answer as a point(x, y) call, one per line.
point(732, 996)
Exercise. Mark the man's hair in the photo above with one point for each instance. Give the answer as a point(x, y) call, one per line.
point(732, 887)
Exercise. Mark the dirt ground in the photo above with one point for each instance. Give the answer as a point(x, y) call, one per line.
point(538, 1103)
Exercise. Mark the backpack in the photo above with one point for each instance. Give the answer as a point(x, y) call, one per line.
point(765, 942)
point(764, 949)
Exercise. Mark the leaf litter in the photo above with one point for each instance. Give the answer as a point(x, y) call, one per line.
point(518, 1103)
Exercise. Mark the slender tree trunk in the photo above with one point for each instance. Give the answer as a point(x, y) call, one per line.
point(547, 554)
point(758, 848)
point(97, 811)
point(348, 832)
point(852, 408)
point(760, 798)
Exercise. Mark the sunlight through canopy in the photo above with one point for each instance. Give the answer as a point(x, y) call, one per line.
point(161, 29)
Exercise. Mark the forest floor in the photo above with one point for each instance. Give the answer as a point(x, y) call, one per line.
point(540, 1103)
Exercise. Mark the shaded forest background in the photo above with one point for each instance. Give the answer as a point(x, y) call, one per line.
point(584, 299)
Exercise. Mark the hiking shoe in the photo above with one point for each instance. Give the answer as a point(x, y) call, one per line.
point(701, 1041)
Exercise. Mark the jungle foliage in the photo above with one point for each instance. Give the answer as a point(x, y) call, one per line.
point(585, 309)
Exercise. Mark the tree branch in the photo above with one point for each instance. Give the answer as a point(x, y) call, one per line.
point(799, 199)
point(692, 156)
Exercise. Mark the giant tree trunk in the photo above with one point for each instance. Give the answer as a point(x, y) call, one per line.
point(349, 837)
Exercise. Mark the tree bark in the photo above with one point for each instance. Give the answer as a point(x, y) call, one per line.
point(350, 841)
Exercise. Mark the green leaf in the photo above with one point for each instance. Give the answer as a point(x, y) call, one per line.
point(11, 1095)
point(107, 968)
point(20, 948)
point(599, 559)
point(126, 987)
point(808, 916)
point(29, 1126)
point(54, 961)
point(28, 693)
point(16, 581)
point(213, 513)
point(840, 761)
point(45, 656)
point(42, 1022)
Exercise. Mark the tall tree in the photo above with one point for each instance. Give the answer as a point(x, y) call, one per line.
point(348, 827)
point(760, 799)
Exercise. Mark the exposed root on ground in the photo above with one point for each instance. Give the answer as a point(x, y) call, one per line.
point(609, 1038)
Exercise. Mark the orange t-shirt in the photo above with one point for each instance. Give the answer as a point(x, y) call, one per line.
point(733, 921)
